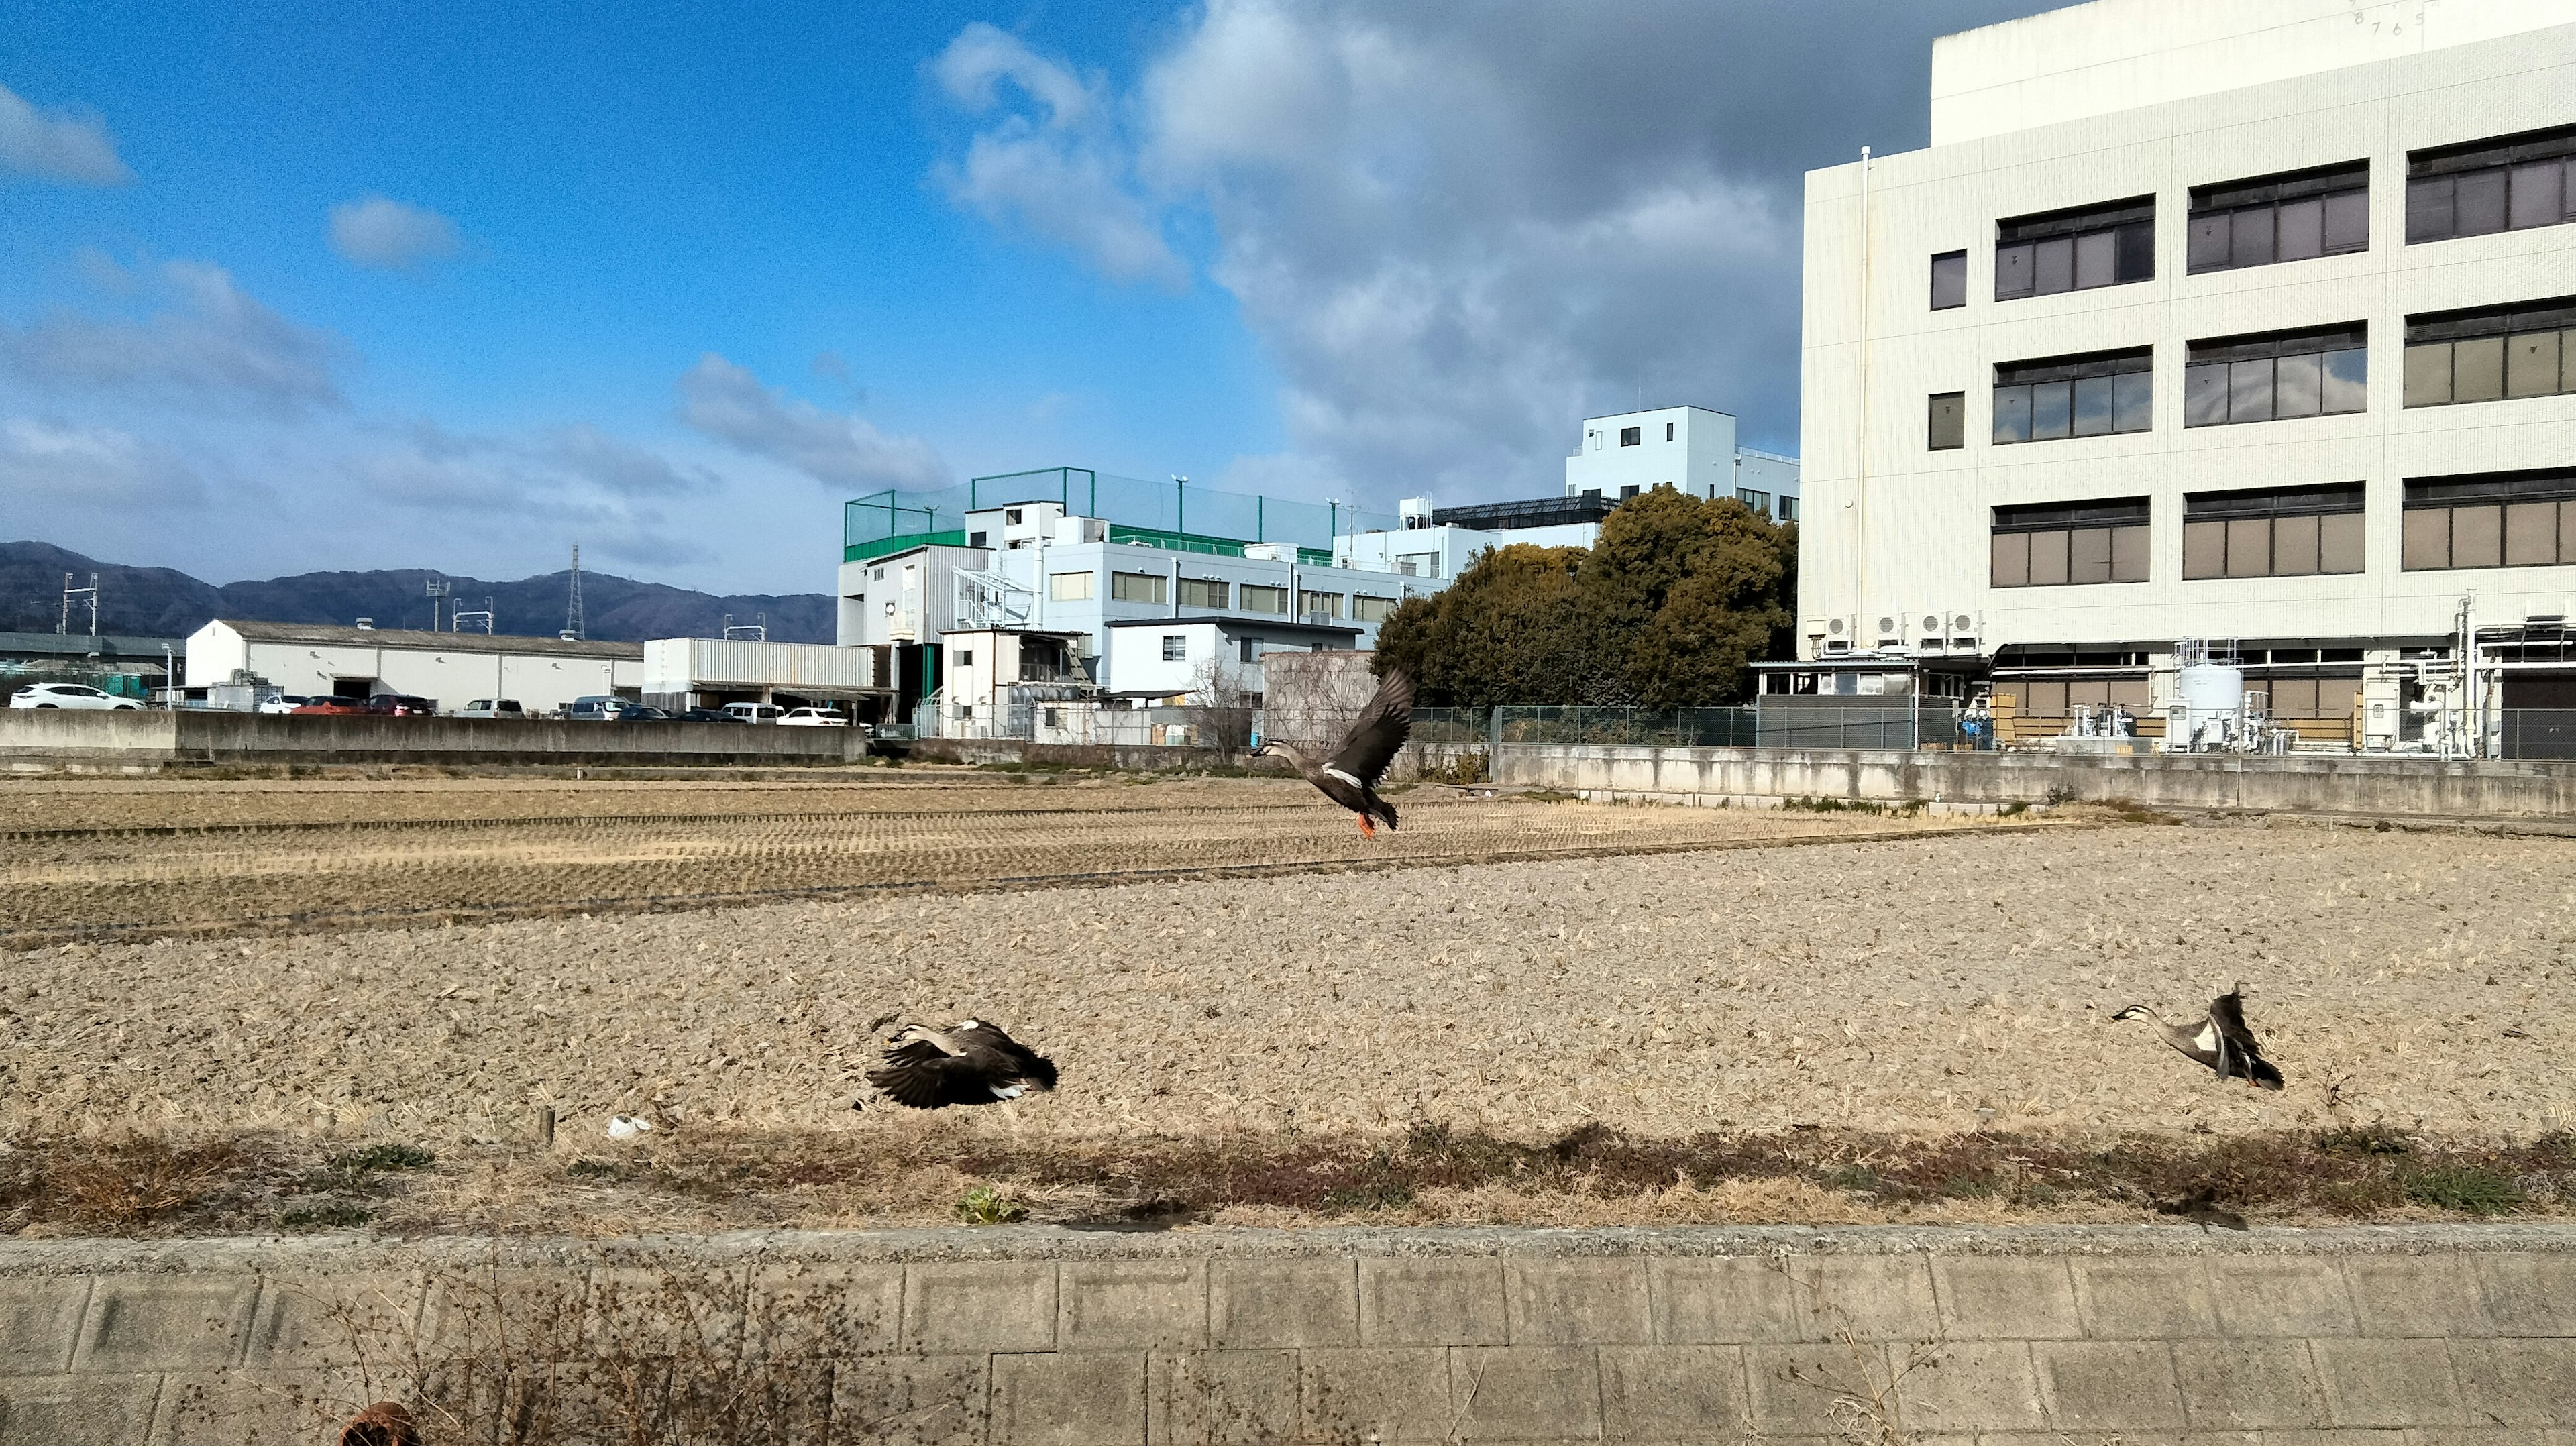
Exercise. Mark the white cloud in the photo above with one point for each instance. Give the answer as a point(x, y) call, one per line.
point(211, 342)
point(1056, 165)
point(622, 468)
point(92, 467)
point(571, 481)
point(725, 401)
point(57, 146)
point(1457, 226)
point(390, 235)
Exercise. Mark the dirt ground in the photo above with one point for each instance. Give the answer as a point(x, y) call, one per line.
point(86, 860)
point(1917, 987)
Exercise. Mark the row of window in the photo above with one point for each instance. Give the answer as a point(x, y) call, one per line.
point(2480, 187)
point(1208, 592)
point(2492, 353)
point(2481, 354)
point(2523, 519)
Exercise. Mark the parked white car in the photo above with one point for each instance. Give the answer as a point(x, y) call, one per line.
point(493, 708)
point(69, 695)
point(284, 703)
point(813, 718)
point(756, 712)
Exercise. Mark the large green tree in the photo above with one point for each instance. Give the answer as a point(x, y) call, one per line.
point(1663, 611)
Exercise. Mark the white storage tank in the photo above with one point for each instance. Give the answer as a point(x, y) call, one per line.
point(2209, 699)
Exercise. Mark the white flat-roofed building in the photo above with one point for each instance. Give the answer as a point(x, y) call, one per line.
point(1691, 449)
point(711, 672)
point(2203, 319)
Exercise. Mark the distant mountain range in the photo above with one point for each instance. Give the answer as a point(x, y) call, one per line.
point(158, 602)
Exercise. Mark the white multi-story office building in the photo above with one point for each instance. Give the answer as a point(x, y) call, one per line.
point(2207, 319)
point(1039, 582)
point(1691, 449)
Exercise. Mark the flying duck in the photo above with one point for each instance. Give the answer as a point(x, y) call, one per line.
point(973, 1063)
point(1350, 776)
point(2221, 1041)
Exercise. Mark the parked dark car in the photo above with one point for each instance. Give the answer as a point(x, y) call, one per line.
point(402, 705)
point(709, 715)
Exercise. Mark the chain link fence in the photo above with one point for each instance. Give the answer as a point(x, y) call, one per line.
point(1936, 723)
point(2536, 733)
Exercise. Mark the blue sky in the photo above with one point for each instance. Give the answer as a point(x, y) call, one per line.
point(293, 287)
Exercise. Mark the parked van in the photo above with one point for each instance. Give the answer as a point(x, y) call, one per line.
point(492, 708)
point(756, 712)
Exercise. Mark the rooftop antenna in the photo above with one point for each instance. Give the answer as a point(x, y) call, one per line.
point(460, 620)
point(573, 626)
point(439, 588)
point(757, 632)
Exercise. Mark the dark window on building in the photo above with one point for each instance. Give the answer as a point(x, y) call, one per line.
point(1202, 592)
point(1137, 587)
point(965, 657)
point(975, 539)
point(1243, 650)
point(2509, 183)
point(2491, 353)
point(1949, 280)
point(1631, 436)
point(1176, 647)
point(1627, 492)
point(1012, 516)
point(2074, 396)
point(1757, 501)
point(2111, 244)
point(2063, 543)
point(1668, 431)
point(1788, 508)
point(1949, 421)
point(2318, 372)
point(2291, 217)
point(2501, 519)
point(2273, 532)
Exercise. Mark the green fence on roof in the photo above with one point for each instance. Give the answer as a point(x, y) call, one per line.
point(1176, 514)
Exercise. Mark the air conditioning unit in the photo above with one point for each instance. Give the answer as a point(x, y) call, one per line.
point(1891, 631)
point(1934, 634)
point(1959, 631)
point(1831, 635)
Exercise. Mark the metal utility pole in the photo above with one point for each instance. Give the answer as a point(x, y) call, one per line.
point(64, 626)
point(573, 626)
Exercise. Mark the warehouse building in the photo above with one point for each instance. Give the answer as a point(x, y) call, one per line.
point(2202, 320)
point(451, 669)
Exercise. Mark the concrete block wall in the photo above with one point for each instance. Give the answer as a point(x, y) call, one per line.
point(2425, 1336)
point(2363, 785)
point(31, 738)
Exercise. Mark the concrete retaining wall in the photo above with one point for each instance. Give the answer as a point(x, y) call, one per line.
point(1136, 756)
point(2459, 1336)
point(2357, 784)
point(31, 738)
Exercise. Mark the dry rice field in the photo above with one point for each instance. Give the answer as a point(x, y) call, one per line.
point(1541, 967)
point(82, 860)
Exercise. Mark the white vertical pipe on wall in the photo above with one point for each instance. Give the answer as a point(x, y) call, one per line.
point(1860, 468)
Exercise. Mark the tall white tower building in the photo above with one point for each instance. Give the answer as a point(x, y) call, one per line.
point(2207, 319)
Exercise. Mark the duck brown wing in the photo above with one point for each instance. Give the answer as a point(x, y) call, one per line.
point(1379, 734)
point(2243, 1055)
point(924, 1076)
